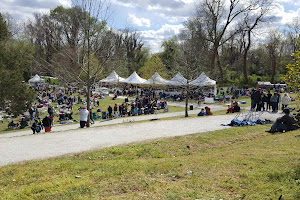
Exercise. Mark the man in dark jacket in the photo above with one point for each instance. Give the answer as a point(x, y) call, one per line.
point(109, 111)
point(255, 99)
point(47, 122)
point(284, 123)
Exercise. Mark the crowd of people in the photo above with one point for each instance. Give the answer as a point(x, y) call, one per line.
point(266, 101)
point(147, 101)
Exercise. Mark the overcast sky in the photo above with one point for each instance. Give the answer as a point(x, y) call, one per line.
point(156, 20)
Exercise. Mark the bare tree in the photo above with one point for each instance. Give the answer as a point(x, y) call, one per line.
point(274, 48)
point(252, 19)
point(294, 34)
point(218, 22)
point(90, 66)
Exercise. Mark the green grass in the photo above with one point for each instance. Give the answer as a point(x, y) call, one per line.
point(104, 103)
point(238, 163)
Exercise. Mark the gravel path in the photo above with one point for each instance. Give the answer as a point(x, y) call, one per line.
point(22, 146)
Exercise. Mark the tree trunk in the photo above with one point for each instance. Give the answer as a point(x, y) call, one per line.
point(220, 68)
point(213, 61)
point(88, 78)
point(273, 69)
point(187, 100)
point(245, 71)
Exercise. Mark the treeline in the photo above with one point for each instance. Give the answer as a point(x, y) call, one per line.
point(219, 39)
point(76, 45)
point(62, 45)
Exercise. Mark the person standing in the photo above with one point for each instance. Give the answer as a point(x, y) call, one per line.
point(121, 110)
point(256, 98)
point(269, 101)
point(31, 111)
point(273, 101)
point(47, 122)
point(84, 113)
point(285, 100)
point(109, 109)
point(116, 111)
point(37, 112)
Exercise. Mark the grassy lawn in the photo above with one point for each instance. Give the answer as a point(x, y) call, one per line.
point(238, 163)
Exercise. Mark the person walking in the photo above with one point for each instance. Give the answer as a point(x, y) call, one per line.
point(84, 113)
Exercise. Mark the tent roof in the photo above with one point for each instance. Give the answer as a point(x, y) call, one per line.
point(134, 78)
point(264, 83)
point(112, 78)
point(36, 79)
point(156, 79)
point(178, 80)
point(203, 80)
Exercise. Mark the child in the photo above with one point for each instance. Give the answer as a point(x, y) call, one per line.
point(202, 112)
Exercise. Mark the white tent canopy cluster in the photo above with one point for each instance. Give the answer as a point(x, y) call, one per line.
point(36, 80)
point(178, 80)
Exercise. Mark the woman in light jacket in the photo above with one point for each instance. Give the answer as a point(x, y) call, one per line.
point(285, 100)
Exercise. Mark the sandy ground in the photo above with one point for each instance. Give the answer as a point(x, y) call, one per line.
point(23, 146)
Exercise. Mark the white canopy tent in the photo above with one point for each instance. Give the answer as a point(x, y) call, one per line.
point(135, 79)
point(156, 79)
point(36, 80)
point(204, 80)
point(264, 83)
point(178, 80)
point(112, 78)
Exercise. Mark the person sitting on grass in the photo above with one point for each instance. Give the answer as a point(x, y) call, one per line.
point(285, 123)
point(202, 112)
point(234, 108)
point(13, 124)
point(23, 123)
point(208, 111)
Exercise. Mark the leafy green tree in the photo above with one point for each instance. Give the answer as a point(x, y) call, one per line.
point(292, 77)
point(3, 29)
point(15, 58)
point(154, 64)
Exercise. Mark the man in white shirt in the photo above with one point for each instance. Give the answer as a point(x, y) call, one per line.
point(84, 114)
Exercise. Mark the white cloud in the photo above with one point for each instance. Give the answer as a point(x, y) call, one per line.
point(154, 38)
point(283, 17)
point(65, 3)
point(132, 19)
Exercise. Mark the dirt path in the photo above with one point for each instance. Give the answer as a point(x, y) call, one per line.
point(23, 146)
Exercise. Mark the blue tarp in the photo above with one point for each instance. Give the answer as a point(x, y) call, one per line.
point(245, 122)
